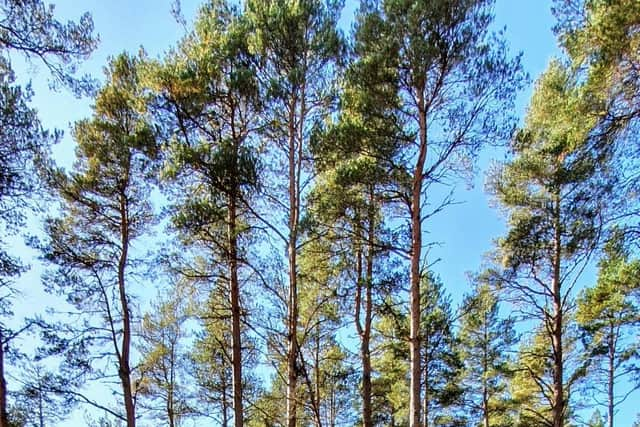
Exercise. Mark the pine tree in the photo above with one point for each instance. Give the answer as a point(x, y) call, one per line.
point(298, 44)
point(208, 98)
point(553, 191)
point(31, 29)
point(390, 361)
point(607, 314)
point(440, 359)
point(354, 157)
point(454, 84)
point(162, 348)
point(105, 207)
point(486, 340)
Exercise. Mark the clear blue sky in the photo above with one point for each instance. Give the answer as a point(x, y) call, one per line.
point(465, 231)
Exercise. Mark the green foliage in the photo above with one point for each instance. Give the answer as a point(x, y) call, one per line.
point(486, 341)
point(206, 99)
point(390, 385)
point(162, 382)
point(441, 361)
point(22, 144)
point(607, 315)
point(212, 361)
point(596, 420)
point(599, 36)
point(209, 358)
point(551, 178)
point(31, 28)
point(531, 380)
point(298, 41)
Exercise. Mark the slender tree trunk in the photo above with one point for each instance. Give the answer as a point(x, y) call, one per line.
point(236, 344)
point(611, 375)
point(366, 333)
point(170, 387)
point(170, 411)
point(292, 312)
point(485, 372)
point(225, 402)
point(316, 368)
point(364, 329)
point(426, 397)
point(4, 417)
point(40, 410)
point(558, 357)
point(124, 370)
point(416, 252)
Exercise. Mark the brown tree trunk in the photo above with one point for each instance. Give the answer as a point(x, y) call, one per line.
point(367, 415)
point(611, 375)
point(292, 309)
point(426, 397)
point(414, 274)
point(316, 367)
point(124, 370)
point(171, 387)
point(485, 371)
point(234, 285)
point(4, 417)
point(225, 403)
point(558, 358)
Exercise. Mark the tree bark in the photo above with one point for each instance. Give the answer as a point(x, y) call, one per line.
point(611, 375)
point(225, 403)
point(236, 344)
point(124, 369)
point(416, 252)
point(558, 358)
point(426, 366)
point(367, 415)
point(292, 309)
point(364, 329)
point(4, 417)
point(485, 372)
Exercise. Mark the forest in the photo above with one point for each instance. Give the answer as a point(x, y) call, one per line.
point(243, 234)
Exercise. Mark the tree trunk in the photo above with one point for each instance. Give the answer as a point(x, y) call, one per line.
point(236, 344)
point(364, 330)
point(292, 309)
point(416, 252)
point(558, 358)
point(365, 349)
point(170, 387)
point(316, 368)
point(611, 375)
point(124, 369)
point(225, 403)
point(40, 405)
point(4, 417)
point(426, 366)
point(485, 371)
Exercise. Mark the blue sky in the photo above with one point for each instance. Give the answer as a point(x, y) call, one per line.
point(466, 231)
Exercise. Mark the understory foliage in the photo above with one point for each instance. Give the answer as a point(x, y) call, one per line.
point(244, 237)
